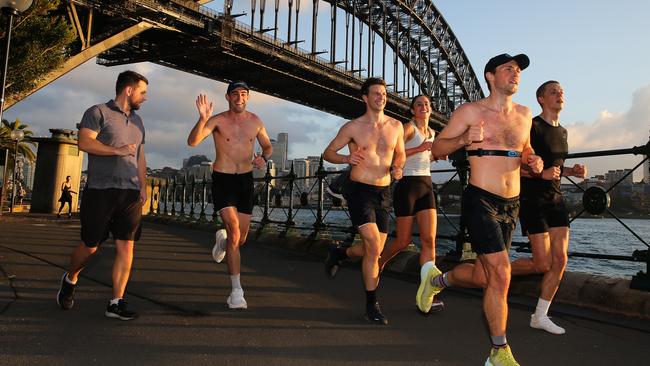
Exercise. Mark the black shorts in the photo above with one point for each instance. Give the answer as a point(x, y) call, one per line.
point(233, 190)
point(413, 194)
point(490, 219)
point(541, 210)
point(113, 210)
point(368, 204)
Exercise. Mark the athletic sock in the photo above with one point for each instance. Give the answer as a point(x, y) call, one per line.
point(234, 281)
point(68, 280)
point(441, 281)
point(115, 301)
point(499, 341)
point(542, 307)
point(371, 298)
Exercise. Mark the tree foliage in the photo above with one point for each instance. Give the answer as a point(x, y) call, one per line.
point(41, 40)
point(24, 147)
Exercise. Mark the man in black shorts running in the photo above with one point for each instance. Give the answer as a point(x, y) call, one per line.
point(544, 216)
point(234, 133)
point(495, 131)
point(113, 136)
point(376, 146)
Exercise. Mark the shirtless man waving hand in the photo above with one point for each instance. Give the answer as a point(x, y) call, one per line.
point(234, 132)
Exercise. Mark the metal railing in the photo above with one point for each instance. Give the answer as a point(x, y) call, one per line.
point(276, 204)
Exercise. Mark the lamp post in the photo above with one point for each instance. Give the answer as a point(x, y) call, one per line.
point(10, 8)
point(16, 136)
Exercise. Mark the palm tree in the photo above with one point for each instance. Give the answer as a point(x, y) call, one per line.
point(24, 146)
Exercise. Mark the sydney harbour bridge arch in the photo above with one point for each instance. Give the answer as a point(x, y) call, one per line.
point(276, 47)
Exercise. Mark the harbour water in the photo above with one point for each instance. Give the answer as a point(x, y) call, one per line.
point(600, 236)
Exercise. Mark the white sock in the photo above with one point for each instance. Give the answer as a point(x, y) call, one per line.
point(234, 281)
point(115, 301)
point(542, 307)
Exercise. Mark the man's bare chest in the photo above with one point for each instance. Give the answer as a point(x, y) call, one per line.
point(510, 134)
point(376, 140)
point(235, 134)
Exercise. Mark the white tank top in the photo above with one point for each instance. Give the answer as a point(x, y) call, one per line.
point(418, 164)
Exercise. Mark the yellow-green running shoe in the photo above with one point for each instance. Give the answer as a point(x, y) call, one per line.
point(427, 290)
point(501, 357)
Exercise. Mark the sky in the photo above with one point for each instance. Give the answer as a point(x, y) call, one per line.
point(597, 49)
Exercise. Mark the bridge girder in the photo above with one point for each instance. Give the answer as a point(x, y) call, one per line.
point(419, 35)
point(191, 38)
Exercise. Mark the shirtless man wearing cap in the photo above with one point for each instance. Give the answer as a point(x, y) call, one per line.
point(234, 132)
point(496, 133)
point(376, 147)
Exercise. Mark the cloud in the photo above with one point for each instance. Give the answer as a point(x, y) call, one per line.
point(613, 130)
point(170, 111)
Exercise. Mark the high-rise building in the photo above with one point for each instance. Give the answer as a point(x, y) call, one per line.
point(28, 174)
point(613, 176)
point(280, 149)
point(314, 161)
point(301, 169)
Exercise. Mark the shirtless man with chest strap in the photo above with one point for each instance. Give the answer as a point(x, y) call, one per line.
point(495, 132)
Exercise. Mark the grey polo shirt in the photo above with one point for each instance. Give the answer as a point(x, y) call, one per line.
point(114, 128)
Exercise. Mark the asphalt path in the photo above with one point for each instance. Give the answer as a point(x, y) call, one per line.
point(296, 316)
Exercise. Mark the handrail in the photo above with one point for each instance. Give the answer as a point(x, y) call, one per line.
point(271, 192)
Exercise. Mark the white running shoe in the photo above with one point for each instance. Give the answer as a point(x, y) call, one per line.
point(544, 322)
point(236, 299)
point(219, 249)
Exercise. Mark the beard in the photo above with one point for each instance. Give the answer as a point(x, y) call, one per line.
point(134, 106)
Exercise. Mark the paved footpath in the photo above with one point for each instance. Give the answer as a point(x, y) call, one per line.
point(296, 316)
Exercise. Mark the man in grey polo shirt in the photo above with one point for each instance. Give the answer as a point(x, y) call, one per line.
point(113, 136)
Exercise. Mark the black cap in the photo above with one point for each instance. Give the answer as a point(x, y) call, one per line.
point(522, 60)
point(237, 84)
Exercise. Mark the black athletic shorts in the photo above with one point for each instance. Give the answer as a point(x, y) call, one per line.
point(413, 194)
point(490, 219)
point(368, 204)
point(233, 190)
point(113, 210)
point(541, 210)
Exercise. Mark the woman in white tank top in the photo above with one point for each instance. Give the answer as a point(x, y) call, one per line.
point(413, 198)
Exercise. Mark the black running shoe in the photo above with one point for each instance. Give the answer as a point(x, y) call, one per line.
point(332, 262)
point(65, 297)
point(374, 315)
point(119, 311)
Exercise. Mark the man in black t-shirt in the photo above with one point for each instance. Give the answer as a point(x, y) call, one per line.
point(543, 215)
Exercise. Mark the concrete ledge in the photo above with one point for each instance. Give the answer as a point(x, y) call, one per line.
point(611, 295)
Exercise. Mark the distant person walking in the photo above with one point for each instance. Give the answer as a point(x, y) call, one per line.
point(376, 153)
point(544, 216)
point(234, 133)
point(413, 198)
point(66, 197)
point(20, 194)
point(113, 136)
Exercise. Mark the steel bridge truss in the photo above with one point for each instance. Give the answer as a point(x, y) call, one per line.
point(187, 36)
